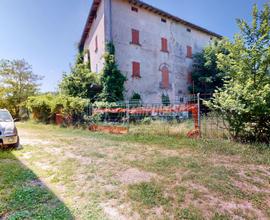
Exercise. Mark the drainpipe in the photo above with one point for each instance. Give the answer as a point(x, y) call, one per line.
point(110, 21)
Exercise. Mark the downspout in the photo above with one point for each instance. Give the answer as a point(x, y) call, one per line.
point(110, 21)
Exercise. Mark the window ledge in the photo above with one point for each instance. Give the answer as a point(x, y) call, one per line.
point(136, 44)
point(165, 51)
point(136, 77)
point(161, 86)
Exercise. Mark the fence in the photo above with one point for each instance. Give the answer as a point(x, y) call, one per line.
point(124, 114)
point(189, 111)
point(212, 125)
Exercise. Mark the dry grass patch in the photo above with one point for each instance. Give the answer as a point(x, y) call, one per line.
point(158, 174)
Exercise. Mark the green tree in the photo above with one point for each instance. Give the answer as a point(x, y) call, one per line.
point(245, 99)
point(112, 79)
point(206, 76)
point(17, 83)
point(81, 82)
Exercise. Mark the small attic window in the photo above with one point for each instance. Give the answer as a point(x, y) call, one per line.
point(211, 38)
point(134, 9)
point(188, 30)
point(163, 20)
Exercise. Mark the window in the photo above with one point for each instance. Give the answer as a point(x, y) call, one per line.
point(189, 52)
point(134, 9)
point(135, 37)
point(188, 30)
point(136, 69)
point(96, 44)
point(163, 20)
point(165, 84)
point(164, 45)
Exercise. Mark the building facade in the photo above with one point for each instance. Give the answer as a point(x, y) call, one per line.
point(153, 48)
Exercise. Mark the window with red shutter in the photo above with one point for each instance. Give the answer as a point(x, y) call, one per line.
point(165, 78)
point(136, 70)
point(164, 45)
point(189, 51)
point(135, 37)
point(96, 44)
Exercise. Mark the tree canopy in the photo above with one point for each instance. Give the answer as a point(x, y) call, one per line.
point(17, 83)
point(244, 101)
point(80, 82)
point(206, 75)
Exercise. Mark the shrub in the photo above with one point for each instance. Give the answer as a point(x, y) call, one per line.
point(165, 100)
point(44, 107)
point(112, 80)
point(135, 100)
point(40, 106)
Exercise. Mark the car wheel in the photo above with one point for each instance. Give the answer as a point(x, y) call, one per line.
point(17, 145)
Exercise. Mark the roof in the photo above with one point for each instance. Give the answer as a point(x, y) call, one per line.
point(146, 6)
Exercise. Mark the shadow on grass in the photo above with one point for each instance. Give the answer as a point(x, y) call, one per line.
point(23, 195)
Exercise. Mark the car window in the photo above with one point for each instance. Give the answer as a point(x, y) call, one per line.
point(5, 116)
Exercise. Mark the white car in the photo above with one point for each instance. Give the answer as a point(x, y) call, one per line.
point(8, 131)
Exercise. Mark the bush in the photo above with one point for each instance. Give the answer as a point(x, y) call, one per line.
point(135, 100)
point(165, 100)
point(40, 106)
point(45, 107)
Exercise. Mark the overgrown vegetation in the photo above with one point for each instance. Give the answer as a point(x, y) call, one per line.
point(165, 99)
point(136, 99)
point(206, 74)
point(244, 101)
point(45, 107)
point(81, 82)
point(112, 80)
point(17, 83)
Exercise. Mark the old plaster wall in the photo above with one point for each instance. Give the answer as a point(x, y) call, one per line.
point(97, 30)
point(149, 53)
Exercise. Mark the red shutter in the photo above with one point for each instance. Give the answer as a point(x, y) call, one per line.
point(164, 44)
point(96, 44)
point(135, 36)
point(189, 51)
point(136, 69)
point(165, 78)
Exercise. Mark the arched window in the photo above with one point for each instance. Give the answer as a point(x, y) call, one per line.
point(165, 78)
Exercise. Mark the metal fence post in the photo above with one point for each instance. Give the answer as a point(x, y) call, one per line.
point(199, 112)
point(128, 117)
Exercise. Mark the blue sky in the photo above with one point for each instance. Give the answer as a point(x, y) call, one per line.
point(45, 32)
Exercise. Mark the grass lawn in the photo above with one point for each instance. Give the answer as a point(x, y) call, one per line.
point(74, 174)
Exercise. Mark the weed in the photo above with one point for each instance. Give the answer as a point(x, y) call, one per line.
point(149, 194)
